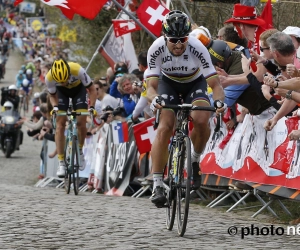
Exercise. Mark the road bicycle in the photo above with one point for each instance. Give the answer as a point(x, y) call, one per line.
point(178, 171)
point(71, 149)
point(23, 105)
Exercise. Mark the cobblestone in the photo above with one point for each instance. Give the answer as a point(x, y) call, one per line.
point(47, 218)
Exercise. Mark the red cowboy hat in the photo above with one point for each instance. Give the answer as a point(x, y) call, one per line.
point(245, 14)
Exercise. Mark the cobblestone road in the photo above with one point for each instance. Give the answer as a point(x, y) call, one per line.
point(47, 218)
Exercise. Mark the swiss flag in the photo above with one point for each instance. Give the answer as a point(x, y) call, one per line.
point(88, 9)
point(122, 27)
point(151, 14)
point(144, 135)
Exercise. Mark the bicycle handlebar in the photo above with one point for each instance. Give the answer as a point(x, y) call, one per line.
point(190, 107)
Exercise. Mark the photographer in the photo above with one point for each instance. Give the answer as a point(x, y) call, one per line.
point(122, 88)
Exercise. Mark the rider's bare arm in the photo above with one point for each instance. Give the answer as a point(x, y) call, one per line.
point(152, 86)
point(92, 94)
point(218, 92)
point(54, 99)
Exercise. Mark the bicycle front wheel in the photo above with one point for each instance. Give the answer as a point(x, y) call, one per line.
point(75, 165)
point(184, 185)
point(68, 175)
point(171, 192)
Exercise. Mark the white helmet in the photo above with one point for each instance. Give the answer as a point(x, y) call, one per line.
point(36, 95)
point(8, 104)
point(28, 71)
point(25, 83)
point(12, 87)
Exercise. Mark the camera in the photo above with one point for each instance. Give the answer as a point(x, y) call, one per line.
point(138, 83)
point(118, 111)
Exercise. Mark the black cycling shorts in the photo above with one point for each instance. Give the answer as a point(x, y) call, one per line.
point(78, 95)
point(191, 91)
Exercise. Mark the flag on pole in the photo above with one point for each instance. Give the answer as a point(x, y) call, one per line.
point(151, 14)
point(267, 16)
point(88, 9)
point(122, 27)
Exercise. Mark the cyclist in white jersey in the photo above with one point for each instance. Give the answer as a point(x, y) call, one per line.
point(179, 65)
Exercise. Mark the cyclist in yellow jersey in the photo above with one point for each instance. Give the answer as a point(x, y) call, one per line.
point(64, 81)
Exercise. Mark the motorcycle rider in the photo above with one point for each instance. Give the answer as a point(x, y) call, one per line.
point(10, 95)
point(7, 107)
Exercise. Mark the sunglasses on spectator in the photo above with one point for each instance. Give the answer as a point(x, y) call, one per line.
point(176, 40)
point(262, 49)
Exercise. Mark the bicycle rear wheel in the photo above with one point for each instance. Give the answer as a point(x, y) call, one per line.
point(171, 192)
point(75, 166)
point(184, 185)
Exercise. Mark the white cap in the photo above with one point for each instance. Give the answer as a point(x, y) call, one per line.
point(293, 31)
point(200, 30)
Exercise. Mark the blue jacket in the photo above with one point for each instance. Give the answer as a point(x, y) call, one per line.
point(129, 104)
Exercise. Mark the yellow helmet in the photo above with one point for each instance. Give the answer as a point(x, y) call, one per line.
point(60, 71)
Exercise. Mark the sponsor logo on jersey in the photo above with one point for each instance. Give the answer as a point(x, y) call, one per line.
point(185, 57)
point(182, 68)
point(167, 59)
point(152, 63)
point(199, 55)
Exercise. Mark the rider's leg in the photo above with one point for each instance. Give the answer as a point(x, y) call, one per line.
point(199, 136)
point(81, 128)
point(60, 137)
point(159, 154)
point(201, 131)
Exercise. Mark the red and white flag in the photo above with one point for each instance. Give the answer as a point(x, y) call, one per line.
point(144, 135)
point(122, 27)
point(88, 9)
point(151, 14)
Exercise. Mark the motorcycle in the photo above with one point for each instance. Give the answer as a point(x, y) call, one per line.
point(9, 132)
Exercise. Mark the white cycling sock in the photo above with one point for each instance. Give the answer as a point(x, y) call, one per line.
point(195, 157)
point(157, 180)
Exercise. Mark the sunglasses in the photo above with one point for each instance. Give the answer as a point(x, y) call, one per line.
point(176, 40)
point(262, 49)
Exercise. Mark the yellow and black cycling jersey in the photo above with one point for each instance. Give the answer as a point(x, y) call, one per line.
point(78, 75)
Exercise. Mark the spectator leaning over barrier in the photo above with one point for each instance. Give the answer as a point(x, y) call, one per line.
point(230, 61)
point(283, 50)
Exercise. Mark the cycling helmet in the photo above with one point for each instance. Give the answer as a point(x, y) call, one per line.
point(25, 83)
point(21, 72)
point(36, 95)
point(219, 51)
point(176, 24)
point(23, 67)
point(60, 71)
point(8, 104)
point(28, 71)
point(12, 87)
